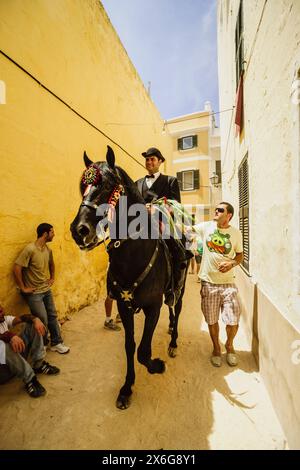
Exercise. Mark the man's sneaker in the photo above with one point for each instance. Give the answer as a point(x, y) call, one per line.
point(61, 348)
point(47, 369)
point(110, 325)
point(34, 388)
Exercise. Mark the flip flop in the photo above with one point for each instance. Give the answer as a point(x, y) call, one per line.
point(231, 359)
point(216, 361)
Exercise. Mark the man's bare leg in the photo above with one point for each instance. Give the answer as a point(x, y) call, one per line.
point(231, 331)
point(214, 334)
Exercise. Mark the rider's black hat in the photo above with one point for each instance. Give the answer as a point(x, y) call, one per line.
point(155, 152)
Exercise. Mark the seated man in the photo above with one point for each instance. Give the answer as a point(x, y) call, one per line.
point(15, 349)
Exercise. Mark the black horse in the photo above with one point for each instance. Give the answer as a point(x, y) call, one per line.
point(139, 268)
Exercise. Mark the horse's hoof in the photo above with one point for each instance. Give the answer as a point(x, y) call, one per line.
point(172, 352)
point(123, 402)
point(156, 366)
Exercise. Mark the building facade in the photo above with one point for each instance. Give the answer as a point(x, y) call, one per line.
point(259, 74)
point(196, 159)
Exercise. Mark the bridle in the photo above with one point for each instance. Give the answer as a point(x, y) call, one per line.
point(112, 200)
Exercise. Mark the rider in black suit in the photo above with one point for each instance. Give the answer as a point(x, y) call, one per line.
point(152, 187)
point(161, 185)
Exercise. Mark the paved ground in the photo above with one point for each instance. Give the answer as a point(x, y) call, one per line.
point(191, 406)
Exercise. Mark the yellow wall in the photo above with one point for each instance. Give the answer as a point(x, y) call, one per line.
point(191, 121)
point(71, 48)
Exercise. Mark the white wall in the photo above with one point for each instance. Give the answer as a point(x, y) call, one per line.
point(269, 138)
point(270, 296)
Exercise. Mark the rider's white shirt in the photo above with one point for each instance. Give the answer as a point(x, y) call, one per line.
point(151, 181)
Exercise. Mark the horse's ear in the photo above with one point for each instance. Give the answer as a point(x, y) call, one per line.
point(86, 159)
point(110, 157)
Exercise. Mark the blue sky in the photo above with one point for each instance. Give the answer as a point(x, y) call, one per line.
point(172, 44)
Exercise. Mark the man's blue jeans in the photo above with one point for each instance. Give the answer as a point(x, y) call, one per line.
point(42, 306)
point(34, 347)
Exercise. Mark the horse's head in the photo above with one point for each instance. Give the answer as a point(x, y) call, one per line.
point(99, 187)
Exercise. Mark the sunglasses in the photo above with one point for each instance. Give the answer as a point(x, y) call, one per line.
point(220, 209)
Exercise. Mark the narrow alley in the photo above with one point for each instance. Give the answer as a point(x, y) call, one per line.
point(191, 406)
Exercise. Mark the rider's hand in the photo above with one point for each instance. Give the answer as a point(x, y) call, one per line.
point(150, 208)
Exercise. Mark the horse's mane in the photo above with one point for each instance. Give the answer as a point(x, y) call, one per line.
point(130, 185)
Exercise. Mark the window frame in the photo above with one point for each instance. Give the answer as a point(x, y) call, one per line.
point(185, 174)
point(180, 141)
point(195, 176)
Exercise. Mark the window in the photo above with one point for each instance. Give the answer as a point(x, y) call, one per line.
point(188, 180)
point(186, 143)
point(239, 44)
point(244, 209)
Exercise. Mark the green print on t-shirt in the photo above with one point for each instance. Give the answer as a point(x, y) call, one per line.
point(219, 243)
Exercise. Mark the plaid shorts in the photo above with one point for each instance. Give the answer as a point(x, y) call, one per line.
point(216, 297)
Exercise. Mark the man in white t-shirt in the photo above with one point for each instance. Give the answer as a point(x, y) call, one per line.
point(222, 251)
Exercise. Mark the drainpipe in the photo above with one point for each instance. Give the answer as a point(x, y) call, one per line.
point(295, 98)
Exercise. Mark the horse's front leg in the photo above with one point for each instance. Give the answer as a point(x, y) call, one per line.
point(171, 320)
point(144, 353)
point(123, 400)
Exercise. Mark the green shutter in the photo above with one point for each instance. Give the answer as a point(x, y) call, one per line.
point(179, 178)
point(179, 144)
point(219, 170)
point(196, 179)
point(195, 141)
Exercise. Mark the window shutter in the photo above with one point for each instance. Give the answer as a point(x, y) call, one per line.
point(195, 141)
point(196, 179)
point(244, 209)
point(179, 144)
point(218, 170)
point(179, 178)
point(239, 44)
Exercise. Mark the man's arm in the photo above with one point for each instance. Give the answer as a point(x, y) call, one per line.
point(174, 190)
point(19, 280)
point(28, 318)
point(227, 265)
point(51, 270)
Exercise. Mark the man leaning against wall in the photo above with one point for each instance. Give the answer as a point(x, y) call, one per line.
point(34, 272)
